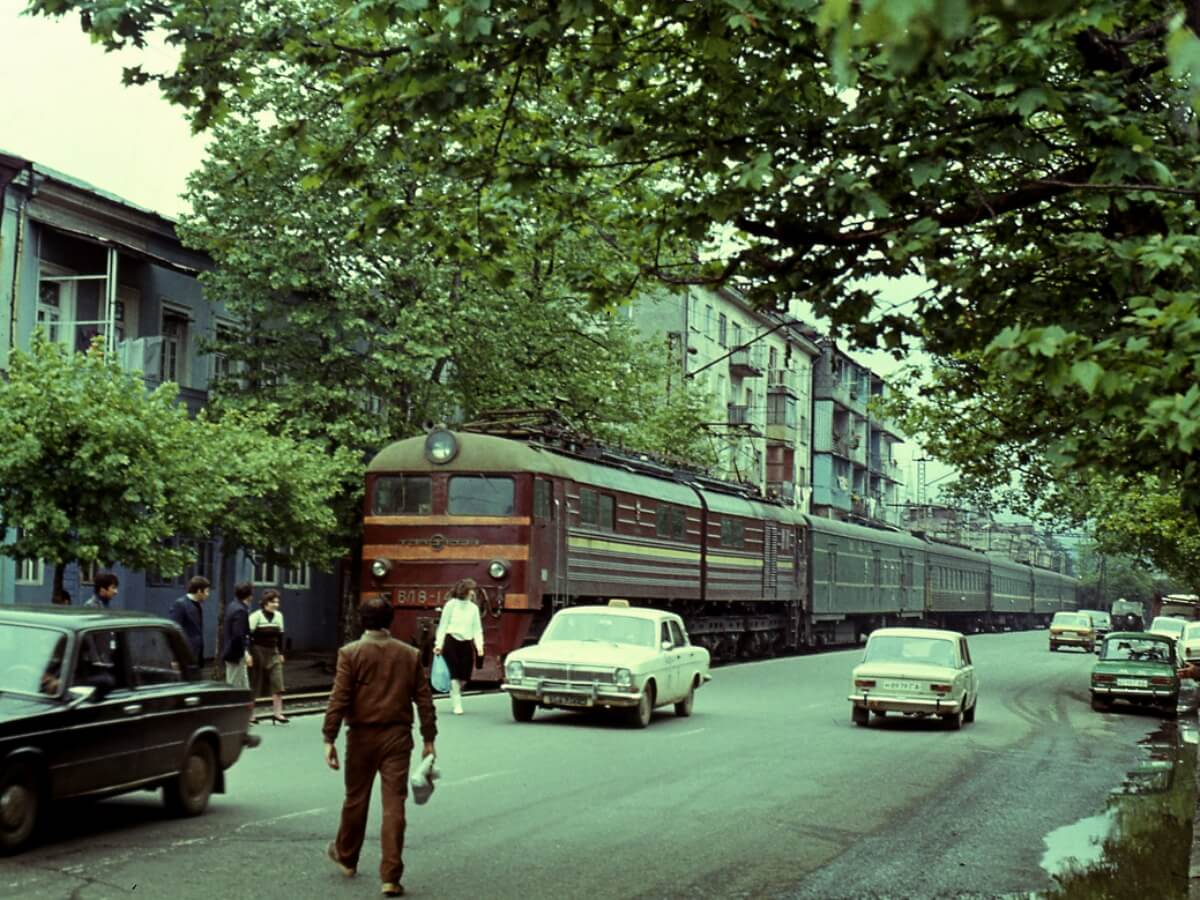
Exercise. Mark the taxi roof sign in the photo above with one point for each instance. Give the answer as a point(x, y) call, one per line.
point(617, 601)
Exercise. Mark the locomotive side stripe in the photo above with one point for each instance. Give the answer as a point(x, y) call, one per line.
point(446, 520)
point(597, 544)
point(448, 553)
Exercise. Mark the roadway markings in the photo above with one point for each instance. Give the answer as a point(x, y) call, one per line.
point(472, 779)
point(688, 733)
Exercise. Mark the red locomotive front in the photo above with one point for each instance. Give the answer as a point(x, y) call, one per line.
point(454, 505)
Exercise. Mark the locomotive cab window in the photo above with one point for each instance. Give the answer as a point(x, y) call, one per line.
point(669, 522)
point(596, 509)
point(733, 533)
point(480, 495)
point(543, 499)
point(402, 494)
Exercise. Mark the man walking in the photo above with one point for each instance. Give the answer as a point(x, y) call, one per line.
point(105, 585)
point(187, 612)
point(378, 682)
point(236, 637)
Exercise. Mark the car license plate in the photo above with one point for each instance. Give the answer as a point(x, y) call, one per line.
point(567, 699)
point(902, 685)
point(1131, 682)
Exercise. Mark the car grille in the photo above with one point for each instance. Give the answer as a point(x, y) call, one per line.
point(571, 674)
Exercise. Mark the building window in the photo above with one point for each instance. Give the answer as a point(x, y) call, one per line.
point(708, 321)
point(723, 330)
point(693, 314)
point(265, 573)
point(30, 571)
point(296, 577)
point(56, 305)
point(87, 572)
point(174, 351)
point(222, 366)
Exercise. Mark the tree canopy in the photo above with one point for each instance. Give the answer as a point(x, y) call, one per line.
point(1035, 162)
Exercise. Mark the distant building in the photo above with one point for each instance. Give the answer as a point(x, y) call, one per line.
point(80, 263)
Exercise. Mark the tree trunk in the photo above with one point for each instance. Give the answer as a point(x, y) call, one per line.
point(57, 586)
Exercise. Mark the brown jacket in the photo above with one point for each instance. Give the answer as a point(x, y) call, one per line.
point(378, 681)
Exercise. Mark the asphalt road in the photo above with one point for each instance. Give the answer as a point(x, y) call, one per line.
point(767, 790)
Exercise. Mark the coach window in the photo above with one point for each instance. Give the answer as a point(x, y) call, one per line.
point(670, 522)
point(402, 494)
point(596, 509)
point(733, 533)
point(543, 499)
point(480, 495)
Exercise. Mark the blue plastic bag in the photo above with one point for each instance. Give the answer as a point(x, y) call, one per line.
point(439, 675)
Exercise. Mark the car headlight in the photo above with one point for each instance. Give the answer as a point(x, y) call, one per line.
point(381, 567)
point(497, 568)
point(514, 670)
point(623, 678)
point(440, 447)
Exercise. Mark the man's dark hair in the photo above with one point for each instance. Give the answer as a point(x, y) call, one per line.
point(375, 613)
point(105, 580)
point(243, 590)
point(198, 584)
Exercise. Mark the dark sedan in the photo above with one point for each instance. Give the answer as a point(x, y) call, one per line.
point(95, 703)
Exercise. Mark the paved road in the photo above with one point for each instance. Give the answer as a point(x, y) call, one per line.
point(767, 791)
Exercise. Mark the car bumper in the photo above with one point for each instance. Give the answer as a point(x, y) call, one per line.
point(1078, 640)
point(1141, 695)
point(884, 703)
point(557, 694)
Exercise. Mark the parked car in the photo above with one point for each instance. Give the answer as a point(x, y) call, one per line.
point(95, 703)
point(614, 656)
point(917, 672)
point(1137, 667)
point(1189, 644)
point(1101, 621)
point(1072, 629)
point(1127, 615)
point(1169, 626)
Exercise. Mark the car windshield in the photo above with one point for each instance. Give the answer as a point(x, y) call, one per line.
point(1126, 607)
point(604, 627)
point(896, 648)
point(1137, 650)
point(1070, 619)
point(31, 659)
point(1168, 625)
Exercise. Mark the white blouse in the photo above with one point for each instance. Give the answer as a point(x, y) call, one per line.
point(460, 619)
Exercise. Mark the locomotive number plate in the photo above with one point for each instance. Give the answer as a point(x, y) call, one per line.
point(567, 700)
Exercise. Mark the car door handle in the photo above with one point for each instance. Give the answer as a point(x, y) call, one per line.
point(191, 701)
point(132, 709)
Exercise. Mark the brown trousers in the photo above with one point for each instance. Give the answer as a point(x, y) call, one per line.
point(385, 750)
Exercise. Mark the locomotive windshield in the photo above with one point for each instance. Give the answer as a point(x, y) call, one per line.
point(604, 627)
point(480, 495)
point(400, 494)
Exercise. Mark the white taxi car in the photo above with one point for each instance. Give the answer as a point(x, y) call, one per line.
point(1189, 644)
point(918, 672)
point(613, 656)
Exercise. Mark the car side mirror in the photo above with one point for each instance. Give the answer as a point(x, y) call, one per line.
point(83, 693)
point(667, 645)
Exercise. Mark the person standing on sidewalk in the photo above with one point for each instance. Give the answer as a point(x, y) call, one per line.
point(378, 683)
point(236, 639)
point(105, 586)
point(266, 646)
point(459, 637)
point(188, 613)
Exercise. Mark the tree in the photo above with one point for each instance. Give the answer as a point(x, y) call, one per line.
point(1033, 161)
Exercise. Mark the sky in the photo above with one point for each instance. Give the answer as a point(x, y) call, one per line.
point(65, 107)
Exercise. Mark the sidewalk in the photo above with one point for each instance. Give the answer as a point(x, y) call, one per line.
point(308, 672)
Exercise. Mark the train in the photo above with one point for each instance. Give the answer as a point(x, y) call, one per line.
point(541, 525)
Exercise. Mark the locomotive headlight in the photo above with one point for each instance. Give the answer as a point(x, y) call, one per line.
point(623, 678)
point(381, 567)
point(514, 671)
point(497, 568)
point(440, 447)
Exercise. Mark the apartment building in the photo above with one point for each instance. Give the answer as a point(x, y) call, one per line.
point(80, 263)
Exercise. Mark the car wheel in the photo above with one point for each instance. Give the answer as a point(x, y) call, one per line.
point(187, 793)
point(641, 714)
point(523, 710)
point(859, 716)
point(1053, 647)
point(1101, 704)
point(683, 708)
point(20, 807)
point(969, 715)
point(954, 721)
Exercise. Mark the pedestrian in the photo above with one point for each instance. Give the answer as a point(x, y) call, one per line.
point(188, 613)
point(379, 681)
point(459, 637)
point(266, 646)
point(61, 598)
point(236, 637)
point(104, 586)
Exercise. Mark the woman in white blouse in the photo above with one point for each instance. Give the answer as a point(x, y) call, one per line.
point(459, 637)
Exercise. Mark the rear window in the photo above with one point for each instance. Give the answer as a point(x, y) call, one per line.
point(480, 495)
point(1071, 619)
point(402, 494)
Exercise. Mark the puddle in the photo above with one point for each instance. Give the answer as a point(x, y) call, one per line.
point(1141, 844)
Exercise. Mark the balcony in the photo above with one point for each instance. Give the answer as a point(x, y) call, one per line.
point(746, 362)
point(740, 417)
point(781, 433)
point(782, 381)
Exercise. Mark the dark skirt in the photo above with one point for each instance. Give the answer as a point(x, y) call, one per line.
point(459, 656)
